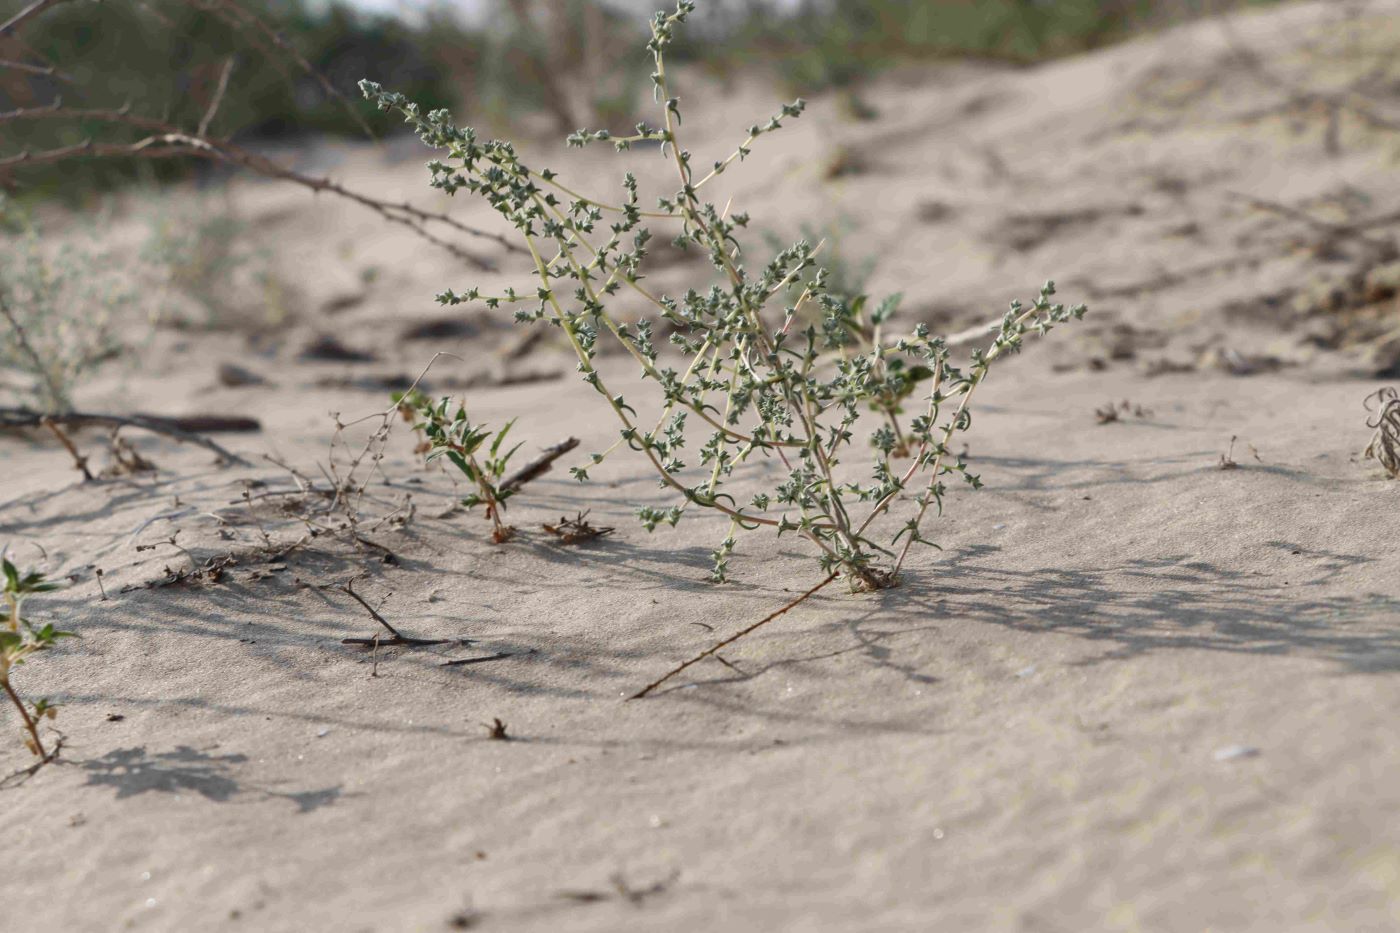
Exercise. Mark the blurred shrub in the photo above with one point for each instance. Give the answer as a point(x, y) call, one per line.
point(210, 270)
point(165, 58)
point(823, 44)
point(571, 60)
point(575, 61)
point(62, 306)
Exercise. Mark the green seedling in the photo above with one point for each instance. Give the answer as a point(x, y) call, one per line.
point(19, 640)
point(451, 434)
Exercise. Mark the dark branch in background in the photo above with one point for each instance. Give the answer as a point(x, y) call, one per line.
point(242, 17)
point(171, 141)
point(26, 14)
point(180, 429)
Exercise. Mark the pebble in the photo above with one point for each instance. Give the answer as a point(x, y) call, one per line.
point(1231, 752)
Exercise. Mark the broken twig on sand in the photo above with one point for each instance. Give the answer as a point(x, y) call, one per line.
point(730, 640)
point(396, 638)
point(538, 466)
point(180, 429)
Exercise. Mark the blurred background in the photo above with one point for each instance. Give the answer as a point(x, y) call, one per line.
point(511, 65)
point(1211, 175)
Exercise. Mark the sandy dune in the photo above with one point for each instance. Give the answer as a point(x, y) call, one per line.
point(1134, 691)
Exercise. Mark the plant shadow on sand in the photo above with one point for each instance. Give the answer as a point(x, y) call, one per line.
point(133, 771)
point(1174, 602)
point(1142, 607)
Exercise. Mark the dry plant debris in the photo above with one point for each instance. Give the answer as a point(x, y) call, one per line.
point(184, 429)
point(1227, 459)
point(396, 638)
point(1385, 443)
point(576, 530)
point(1111, 412)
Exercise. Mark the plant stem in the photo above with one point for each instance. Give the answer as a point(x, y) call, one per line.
point(30, 726)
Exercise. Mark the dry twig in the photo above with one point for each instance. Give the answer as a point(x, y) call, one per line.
point(731, 639)
point(1385, 443)
point(180, 429)
point(396, 639)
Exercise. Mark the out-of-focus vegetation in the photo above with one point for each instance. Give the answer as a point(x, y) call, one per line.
point(167, 59)
point(60, 312)
point(822, 44)
point(571, 61)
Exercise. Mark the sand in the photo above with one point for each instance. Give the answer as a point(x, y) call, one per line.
point(1134, 691)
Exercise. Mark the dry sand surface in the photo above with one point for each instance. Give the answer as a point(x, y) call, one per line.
point(1134, 691)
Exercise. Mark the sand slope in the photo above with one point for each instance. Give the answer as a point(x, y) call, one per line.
point(1133, 692)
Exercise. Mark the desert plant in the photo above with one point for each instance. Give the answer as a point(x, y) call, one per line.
point(20, 640)
point(209, 269)
point(61, 308)
point(801, 387)
point(451, 434)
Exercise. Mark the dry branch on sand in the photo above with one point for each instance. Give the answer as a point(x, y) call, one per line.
point(1385, 443)
point(183, 429)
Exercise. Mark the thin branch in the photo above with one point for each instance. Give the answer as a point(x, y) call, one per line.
point(1331, 231)
point(731, 639)
point(26, 14)
point(236, 12)
point(397, 637)
point(538, 466)
point(374, 614)
point(79, 461)
point(44, 71)
point(218, 98)
point(171, 142)
point(170, 427)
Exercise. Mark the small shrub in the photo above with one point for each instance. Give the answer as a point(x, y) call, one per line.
point(212, 275)
point(20, 640)
point(764, 384)
point(450, 434)
point(62, 308)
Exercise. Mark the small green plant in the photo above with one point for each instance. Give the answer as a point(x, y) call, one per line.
point(766, 380)
point(451, 434)
point(19, 640)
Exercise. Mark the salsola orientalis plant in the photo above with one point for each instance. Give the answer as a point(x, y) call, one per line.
point(18, 641)
point(766, 375)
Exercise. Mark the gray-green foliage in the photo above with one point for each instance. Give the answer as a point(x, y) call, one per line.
point(63, 303)
point(762, 383)
point(209, 269)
